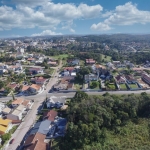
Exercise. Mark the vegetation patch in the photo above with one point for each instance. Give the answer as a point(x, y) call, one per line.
point(123, 86)
point(106, 122)
point(133, 86)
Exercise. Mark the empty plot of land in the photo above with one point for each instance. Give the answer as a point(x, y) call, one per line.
point(133, 86)
point(142, 83)
point(123, 86)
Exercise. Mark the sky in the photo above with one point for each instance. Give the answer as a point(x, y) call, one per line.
point(63, 17)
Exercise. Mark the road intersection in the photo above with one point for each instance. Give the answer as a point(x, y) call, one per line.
point(39, 98)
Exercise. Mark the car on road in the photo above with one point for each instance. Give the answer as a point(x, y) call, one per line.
point(11, 141)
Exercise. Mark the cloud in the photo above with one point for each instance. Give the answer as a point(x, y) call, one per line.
point(44, 14)
point(72, 30)
point(101, 27)
point(127, 14)
point(46, 32)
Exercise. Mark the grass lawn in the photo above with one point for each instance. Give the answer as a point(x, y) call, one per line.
point(49, 71)
point(133, 86)
point(123, 86)
point(107, 59)
point(111, 86)
point(97, 87)
point(78, 85)
point(82, 63)
point(61, 56)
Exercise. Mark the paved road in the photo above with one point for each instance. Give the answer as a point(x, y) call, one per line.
point(31, 116)
point(29, 119)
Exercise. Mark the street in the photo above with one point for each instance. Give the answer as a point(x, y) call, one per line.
point(39, 98)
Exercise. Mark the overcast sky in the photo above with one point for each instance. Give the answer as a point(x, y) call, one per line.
point(46, 17)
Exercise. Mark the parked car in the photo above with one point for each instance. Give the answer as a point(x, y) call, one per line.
point(12, 140)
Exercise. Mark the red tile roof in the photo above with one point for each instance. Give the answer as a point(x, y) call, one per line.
point(35, 142)
point(50, 115)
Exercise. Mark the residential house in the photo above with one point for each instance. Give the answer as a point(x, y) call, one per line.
point(36, 70)
point(24, 90)
point(34, 88)
point(50, 115)
point(52, 63)
point(28, 104)
point(120, 79)
point(146, 78)
point(6, 111)
point(13, 86)
point(35, 142)
point(110, 65)
point(90, 77)
point(44, 127)
point(75, 62)
point(39, 80)
point(90, 61)
point(55, 101)
point(17, 113)
point(5, 126)
point(17, 102)
point(130, 79)
point(32, 60)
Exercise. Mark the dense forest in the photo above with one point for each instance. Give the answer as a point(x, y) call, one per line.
point(108, 122)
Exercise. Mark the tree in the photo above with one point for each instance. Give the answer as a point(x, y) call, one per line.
point(2, 84)
point(93, 84)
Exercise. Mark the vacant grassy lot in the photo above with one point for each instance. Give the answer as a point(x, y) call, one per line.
point(61, 56)
point(133, 86)
point(106, 58)
point(123, 86)
point(111, 86)
point(78, 85)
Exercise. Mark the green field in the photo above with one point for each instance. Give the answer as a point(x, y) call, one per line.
point(60, 56)
point(111, 86)
point(78, 85)
point(123, 86)
point(107, 59)
point(133, 86)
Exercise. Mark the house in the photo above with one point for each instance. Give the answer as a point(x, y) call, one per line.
point(5, 126)
point(6, 111)
point(24, 89)
point(60, 86)
point(55, 101)
point(44, 127)
point(110, 65)
point(17, 102)
point(130, 79)
point(120, 79)
point(69, 69)
point(34, 88)
point(90, 61)
point(75, 62)
point(39, 80)
point(16, 114)
point(32, 60)
point(90, 77)
point(36, 70)
point(35, 142)
point(28, 104)
point(52, 63)
point(146, 78)
point(50, 115)
point(13, 86)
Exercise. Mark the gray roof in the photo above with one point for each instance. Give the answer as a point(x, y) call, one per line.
point(44, 126)
point(35, 128)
